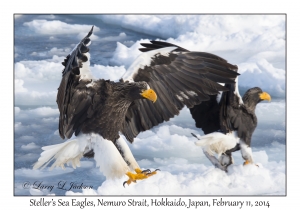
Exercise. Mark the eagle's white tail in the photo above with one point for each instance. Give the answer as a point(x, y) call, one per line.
point(217, 142)
point(106, 155)
point(70, 151)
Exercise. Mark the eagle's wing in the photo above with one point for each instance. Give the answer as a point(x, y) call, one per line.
point(207, 115)
point(234, 116)
point(73, 98)
point(213, 115)
point(179, 77)
point(224, 112)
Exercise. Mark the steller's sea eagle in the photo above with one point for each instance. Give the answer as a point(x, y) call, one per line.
point(228, 120)
point(97, 111)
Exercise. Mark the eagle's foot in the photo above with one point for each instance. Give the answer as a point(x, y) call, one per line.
point(139, 175)
point(249, 162)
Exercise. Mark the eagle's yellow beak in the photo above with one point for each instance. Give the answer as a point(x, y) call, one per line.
point(265, 96)
point(149, 94)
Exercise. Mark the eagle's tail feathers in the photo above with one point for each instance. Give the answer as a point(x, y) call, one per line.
point(64, 153)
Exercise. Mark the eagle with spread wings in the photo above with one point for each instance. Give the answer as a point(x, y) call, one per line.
point(94, 112)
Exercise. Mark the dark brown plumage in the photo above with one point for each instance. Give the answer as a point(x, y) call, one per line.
point(231, 114)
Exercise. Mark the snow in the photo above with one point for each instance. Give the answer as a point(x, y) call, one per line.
point(256, 43)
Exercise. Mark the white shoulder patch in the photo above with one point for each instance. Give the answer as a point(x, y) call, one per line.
point(236, 91)
point(220, 94)
point(144, 60)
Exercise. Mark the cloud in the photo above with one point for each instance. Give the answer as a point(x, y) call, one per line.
point(40, 112)
point(273, 112)
point(53, 52)
point(113, 73)
point(55, 27)
point(29, 146)
point(126, 55)
point(261, 73)
point(221, 26)
point(33, 125)
point(259, 42)
point(41, 70)
point(36, 82)
point(35, 98)
point(19, 86)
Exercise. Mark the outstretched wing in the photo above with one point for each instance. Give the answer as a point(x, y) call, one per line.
point(73, 98)
point(179, 77)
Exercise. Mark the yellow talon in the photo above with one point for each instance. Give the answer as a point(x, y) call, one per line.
point(246, 162)
point(139, 175)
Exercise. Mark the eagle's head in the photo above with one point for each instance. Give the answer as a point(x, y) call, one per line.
point(255, 95)
point(140, 90)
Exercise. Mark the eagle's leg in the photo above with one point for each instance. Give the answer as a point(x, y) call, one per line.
point(214, 161)
point(226, 160)
point(247, 154)
point(127, 155)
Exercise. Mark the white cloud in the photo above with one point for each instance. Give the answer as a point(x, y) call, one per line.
point(39, 70)
point(27, 138)
point(35, 98)
point(271, 112)
point(126, 55)
point(221, 26)
point(36, 82)
point(261, 73)
point(19, 86)
point(41, 112)
point(29, 146)
point(256, 44)
point(55, 27)
point(113, 73)
point(53, 52)
point(119, 38)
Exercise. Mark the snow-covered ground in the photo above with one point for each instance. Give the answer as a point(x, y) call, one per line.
point(256, 43)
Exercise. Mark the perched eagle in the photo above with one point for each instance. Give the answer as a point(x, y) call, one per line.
point(97, 111)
